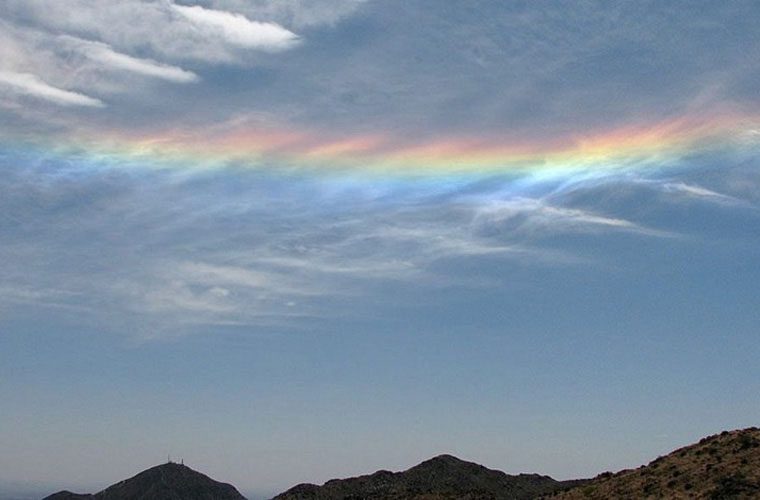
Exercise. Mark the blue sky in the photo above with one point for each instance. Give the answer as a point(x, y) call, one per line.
point(275, 324)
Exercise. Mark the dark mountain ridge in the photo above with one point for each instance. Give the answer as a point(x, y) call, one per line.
point(442, 477)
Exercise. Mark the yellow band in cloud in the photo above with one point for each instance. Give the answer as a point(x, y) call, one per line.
point(385, 154)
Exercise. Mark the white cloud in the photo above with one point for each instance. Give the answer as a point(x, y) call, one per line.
point(237, 29)
point(535, 215)
point(48, 48)
point(104, 54)
point(163, 29)
point(696, 191)
point(41, 297)
point(32, 85)
point(178, 297)
point(225, 276)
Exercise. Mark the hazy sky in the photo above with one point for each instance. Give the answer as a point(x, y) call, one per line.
point(291, 240)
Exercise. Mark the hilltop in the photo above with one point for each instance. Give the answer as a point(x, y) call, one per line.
point(166, 482)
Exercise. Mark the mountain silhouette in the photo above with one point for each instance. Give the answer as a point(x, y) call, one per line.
point(164, 482)
point(442, 477)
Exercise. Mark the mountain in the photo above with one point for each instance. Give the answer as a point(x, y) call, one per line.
point(442, 477)
point(723, 466)
point(164, 482)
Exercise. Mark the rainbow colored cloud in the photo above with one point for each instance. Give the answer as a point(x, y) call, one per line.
point(655, 144)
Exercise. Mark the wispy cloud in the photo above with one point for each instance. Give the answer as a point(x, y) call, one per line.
point(273, 265)
point(297, 249)
point(47, 49)
point(165, 30)
point(694, 191)
point(32, 85)
point(42, 297)
point(536, 216)
point(104, 54)
point(237, 29)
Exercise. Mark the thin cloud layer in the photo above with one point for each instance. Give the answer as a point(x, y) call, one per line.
point(296, 13)
point(273, 257)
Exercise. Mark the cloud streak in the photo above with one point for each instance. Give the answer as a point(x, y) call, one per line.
point(31, 85)
point(535, 216)
point(236, 29)
point(693, 191)
point(104, 54)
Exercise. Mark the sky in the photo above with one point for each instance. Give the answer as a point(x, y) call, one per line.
point(291, 240)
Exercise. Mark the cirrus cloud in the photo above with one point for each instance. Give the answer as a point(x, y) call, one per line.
point(48, 49)
point(32, 85)
point(236, 29)
point(104, 54)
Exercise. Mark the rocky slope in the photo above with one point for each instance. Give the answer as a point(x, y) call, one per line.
point(723, 466)
point(165, 482)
